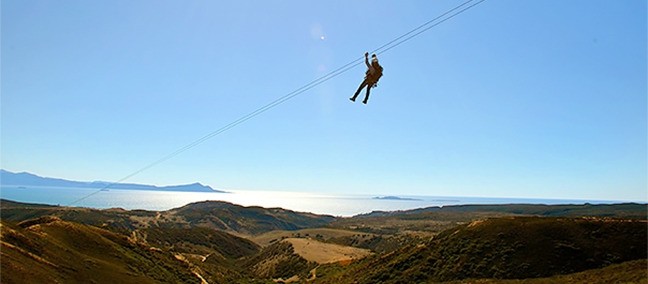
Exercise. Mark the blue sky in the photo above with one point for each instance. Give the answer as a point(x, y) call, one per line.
point(512, 98)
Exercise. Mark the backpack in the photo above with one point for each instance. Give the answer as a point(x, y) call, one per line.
point(376, 76)
point(379, 73)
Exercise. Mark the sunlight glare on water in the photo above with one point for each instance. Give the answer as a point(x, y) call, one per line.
point(337, 205)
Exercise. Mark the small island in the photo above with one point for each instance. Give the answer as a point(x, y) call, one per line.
point(390, 197)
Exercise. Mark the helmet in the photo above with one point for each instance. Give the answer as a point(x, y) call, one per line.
point(374, 58)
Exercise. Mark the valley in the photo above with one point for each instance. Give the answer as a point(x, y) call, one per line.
point(220, 242)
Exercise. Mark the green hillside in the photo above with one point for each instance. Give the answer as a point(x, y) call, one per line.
point(213, 242)
point(634, 271)
point(200, 241)
point(247, 220)
point(50, 250)
point(278, 261)
point(507, 248)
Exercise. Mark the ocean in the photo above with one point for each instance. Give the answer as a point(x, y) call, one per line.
point(331, 204)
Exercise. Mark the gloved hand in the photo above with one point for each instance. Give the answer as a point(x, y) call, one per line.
point(366, 54)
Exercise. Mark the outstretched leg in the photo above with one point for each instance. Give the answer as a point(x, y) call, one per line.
point(362, 85)
point(367, 96)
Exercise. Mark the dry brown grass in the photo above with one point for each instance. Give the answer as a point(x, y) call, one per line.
point(322, 253)
point(268, 238)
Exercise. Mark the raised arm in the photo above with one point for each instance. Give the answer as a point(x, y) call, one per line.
point(367, 59)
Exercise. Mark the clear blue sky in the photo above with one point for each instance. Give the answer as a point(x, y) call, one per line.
point(512, 98)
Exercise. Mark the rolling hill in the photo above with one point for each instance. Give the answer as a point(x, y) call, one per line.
point(218, 215)
point(508, 248)
point(634, 271)
point(247, 220)
point(214, 242)
point(50, 250)
point(618, 210)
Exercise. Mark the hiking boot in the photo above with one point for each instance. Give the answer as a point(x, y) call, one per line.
point(364, 102)
point(352, 99)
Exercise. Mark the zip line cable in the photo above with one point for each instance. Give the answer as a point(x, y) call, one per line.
point(425, 24)
point(431, 26)
point(382, 49)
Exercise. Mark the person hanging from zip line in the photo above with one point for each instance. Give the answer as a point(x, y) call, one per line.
point(373, 74)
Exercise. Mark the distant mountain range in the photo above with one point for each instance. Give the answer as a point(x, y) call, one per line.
point(28, 179)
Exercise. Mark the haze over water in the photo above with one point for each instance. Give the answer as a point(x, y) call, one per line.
point(333, 204)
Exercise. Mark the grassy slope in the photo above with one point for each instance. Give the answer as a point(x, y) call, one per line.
point(433, 220)
point(322, 234)
point(522, 247)
point(83, 253)
point(67, 252)
point(495, 248)
point(620, 210)
point(320, 252)
point(635, 271)
point(185, 232)
point(248, 220)
point(279, 260)
point(202, 241)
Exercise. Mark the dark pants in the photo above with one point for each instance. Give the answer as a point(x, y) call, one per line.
point(364, 83)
